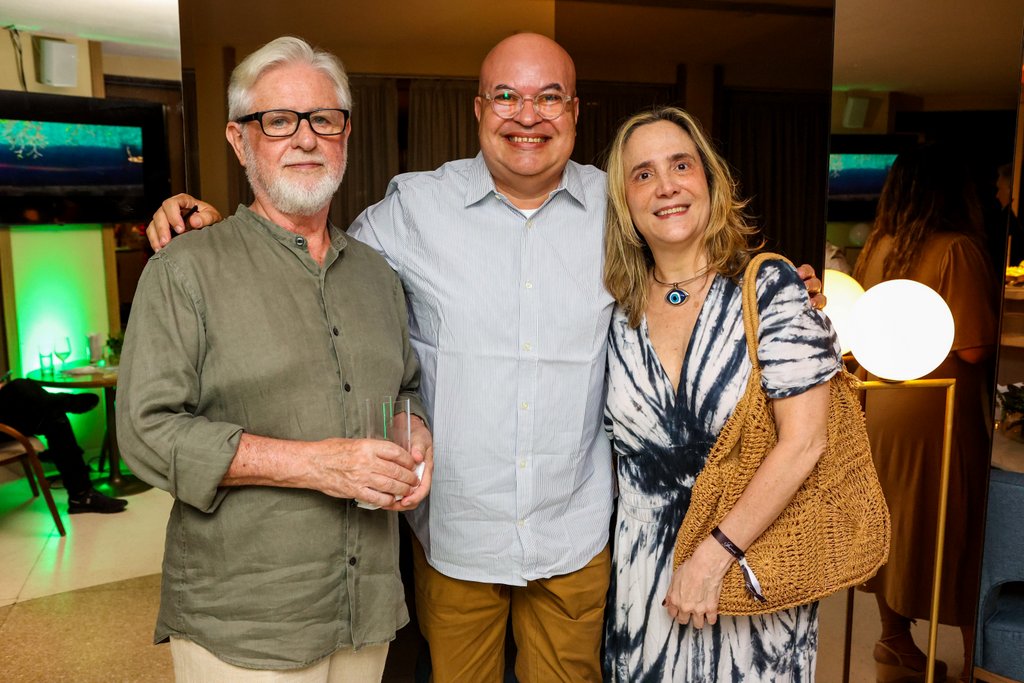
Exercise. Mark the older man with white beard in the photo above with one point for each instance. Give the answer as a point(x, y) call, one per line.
point(273, 331)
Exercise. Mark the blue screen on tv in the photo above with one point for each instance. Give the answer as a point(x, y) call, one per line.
point(61, 158)
point(67, 159)
point(857, 176)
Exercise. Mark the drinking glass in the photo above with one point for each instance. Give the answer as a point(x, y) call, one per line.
point(45, 357)
point(390, 420)
point(401, 430)
point(62, 349)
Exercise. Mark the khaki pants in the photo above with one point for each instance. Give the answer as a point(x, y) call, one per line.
point(557, 624)
point(195, 664)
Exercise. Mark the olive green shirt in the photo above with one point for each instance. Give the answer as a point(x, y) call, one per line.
point(234, 329)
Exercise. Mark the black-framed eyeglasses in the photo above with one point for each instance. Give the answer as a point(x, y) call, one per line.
point(508, 103)
point(282, 123)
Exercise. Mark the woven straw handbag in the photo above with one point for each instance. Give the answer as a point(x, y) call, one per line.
point(833, 534)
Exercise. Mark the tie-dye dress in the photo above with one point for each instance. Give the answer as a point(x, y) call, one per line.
point(661, 438)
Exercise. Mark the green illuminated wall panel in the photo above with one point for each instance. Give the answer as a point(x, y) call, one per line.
point(60, 289)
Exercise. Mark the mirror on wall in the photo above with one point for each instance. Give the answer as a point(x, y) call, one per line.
point(907, 73)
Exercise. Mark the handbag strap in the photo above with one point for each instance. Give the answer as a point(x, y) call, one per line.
point(750, 313)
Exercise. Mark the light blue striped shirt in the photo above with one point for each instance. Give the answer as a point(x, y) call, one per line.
point(509, 317)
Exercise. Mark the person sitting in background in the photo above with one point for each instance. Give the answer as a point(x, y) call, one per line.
point(33, 411)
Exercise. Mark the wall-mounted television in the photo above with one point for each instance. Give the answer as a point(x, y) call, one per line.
point(857, 168)
point(80, 159)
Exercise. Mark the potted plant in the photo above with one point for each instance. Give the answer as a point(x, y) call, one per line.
point(114, 343)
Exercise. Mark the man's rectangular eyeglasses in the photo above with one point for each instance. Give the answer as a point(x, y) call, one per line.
point(508, 103)
point(282, 123)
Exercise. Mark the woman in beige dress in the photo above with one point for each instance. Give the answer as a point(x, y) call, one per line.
point(929, 229)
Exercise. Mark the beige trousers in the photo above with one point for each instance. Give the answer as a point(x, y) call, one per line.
point(195, 664)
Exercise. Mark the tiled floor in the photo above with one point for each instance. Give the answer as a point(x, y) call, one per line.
point(98, 549)
point(53, 630)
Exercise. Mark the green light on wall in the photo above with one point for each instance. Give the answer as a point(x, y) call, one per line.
point(59, 290)
point(59, 287)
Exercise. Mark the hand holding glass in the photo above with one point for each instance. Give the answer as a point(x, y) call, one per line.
point(390, 420)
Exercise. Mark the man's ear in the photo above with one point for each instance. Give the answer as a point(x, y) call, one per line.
point(477, 104)
point(234, 132)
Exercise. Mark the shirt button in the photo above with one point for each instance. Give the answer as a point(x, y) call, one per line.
point(522, 464)
point(300, 241)
point(524, 405)
point(529, 224)
point(527, 346)
point(352, 561)
point(335, 330)
point(348, 387)
point(521, 523)
point(529, 285)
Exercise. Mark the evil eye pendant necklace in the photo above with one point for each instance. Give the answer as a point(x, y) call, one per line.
point(677, 296)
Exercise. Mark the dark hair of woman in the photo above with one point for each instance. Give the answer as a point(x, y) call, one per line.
point(928, 191)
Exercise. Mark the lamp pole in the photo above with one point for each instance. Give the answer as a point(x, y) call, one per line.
point(940, 525)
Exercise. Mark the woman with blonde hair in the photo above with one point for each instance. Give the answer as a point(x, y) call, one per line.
point(677, 243)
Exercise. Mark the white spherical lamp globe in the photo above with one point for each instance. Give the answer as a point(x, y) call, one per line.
point(900, 330)
point(842, 292)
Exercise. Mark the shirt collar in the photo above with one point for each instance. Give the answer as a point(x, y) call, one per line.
point(297, 243)
point(480, 184)
point(288, 238)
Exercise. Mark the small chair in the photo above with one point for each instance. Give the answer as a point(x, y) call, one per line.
point(24, 450)
point(999, 649)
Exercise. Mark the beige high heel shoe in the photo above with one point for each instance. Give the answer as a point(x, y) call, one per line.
point(892, 666)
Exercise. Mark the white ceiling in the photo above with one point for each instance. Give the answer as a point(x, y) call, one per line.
point(921, 47)
point(929, 47)
point(147, 28)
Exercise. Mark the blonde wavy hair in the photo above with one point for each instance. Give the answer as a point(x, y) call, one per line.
point(728, 239)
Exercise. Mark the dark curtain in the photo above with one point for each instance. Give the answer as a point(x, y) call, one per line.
point(777, 143)
point(604, 106)
point(442, 124)
point(372, 147)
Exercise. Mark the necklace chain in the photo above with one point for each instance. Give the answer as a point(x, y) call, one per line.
point(675, 285)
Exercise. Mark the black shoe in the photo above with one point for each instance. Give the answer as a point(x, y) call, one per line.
point(94, 501)
point(79, 403)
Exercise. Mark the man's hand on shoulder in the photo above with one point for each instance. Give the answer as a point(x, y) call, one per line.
point(179, 213)
point(813, 284)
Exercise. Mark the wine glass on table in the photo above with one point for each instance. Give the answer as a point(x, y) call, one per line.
point(62, 349)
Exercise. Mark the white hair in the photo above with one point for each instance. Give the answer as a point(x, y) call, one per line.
point(280, 51)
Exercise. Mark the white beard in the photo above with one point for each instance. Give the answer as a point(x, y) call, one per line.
point(290, 197)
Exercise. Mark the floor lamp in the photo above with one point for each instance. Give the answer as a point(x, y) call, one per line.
point(901, 330)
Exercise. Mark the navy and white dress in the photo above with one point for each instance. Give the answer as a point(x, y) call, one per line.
point(662, 438)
